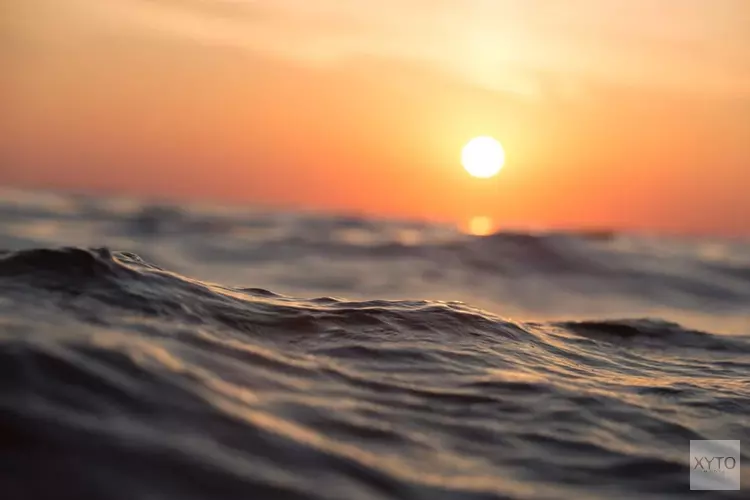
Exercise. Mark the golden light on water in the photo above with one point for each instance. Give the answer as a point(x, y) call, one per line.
point(481, 225)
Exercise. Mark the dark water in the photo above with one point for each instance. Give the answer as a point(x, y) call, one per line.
point(369, 360)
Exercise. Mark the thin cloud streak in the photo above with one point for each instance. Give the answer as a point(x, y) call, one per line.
point(691, 46)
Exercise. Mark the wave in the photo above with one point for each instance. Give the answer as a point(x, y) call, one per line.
point(122, 379)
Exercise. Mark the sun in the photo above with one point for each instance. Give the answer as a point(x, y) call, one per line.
point(483, 157)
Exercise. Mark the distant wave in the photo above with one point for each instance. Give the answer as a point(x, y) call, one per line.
point(121, 379)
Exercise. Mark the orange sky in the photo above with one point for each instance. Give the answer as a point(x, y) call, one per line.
point(628, 114)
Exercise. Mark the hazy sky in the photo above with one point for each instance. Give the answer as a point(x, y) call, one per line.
point(632, 114)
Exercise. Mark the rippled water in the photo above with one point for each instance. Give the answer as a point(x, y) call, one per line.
point(348, 358)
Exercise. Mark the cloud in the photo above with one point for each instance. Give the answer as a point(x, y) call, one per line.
point(690, 45)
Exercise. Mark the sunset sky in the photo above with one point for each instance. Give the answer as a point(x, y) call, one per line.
point(630, 114)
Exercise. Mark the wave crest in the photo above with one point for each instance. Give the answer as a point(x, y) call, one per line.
point(123, 380)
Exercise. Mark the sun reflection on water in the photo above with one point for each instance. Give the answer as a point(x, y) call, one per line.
point(481, 225)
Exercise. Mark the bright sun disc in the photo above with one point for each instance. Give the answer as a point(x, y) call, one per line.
point(483, 157)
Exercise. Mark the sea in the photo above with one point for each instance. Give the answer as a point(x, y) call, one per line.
point(164, 351)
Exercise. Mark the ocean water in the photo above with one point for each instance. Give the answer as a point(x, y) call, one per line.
point(193, 352)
